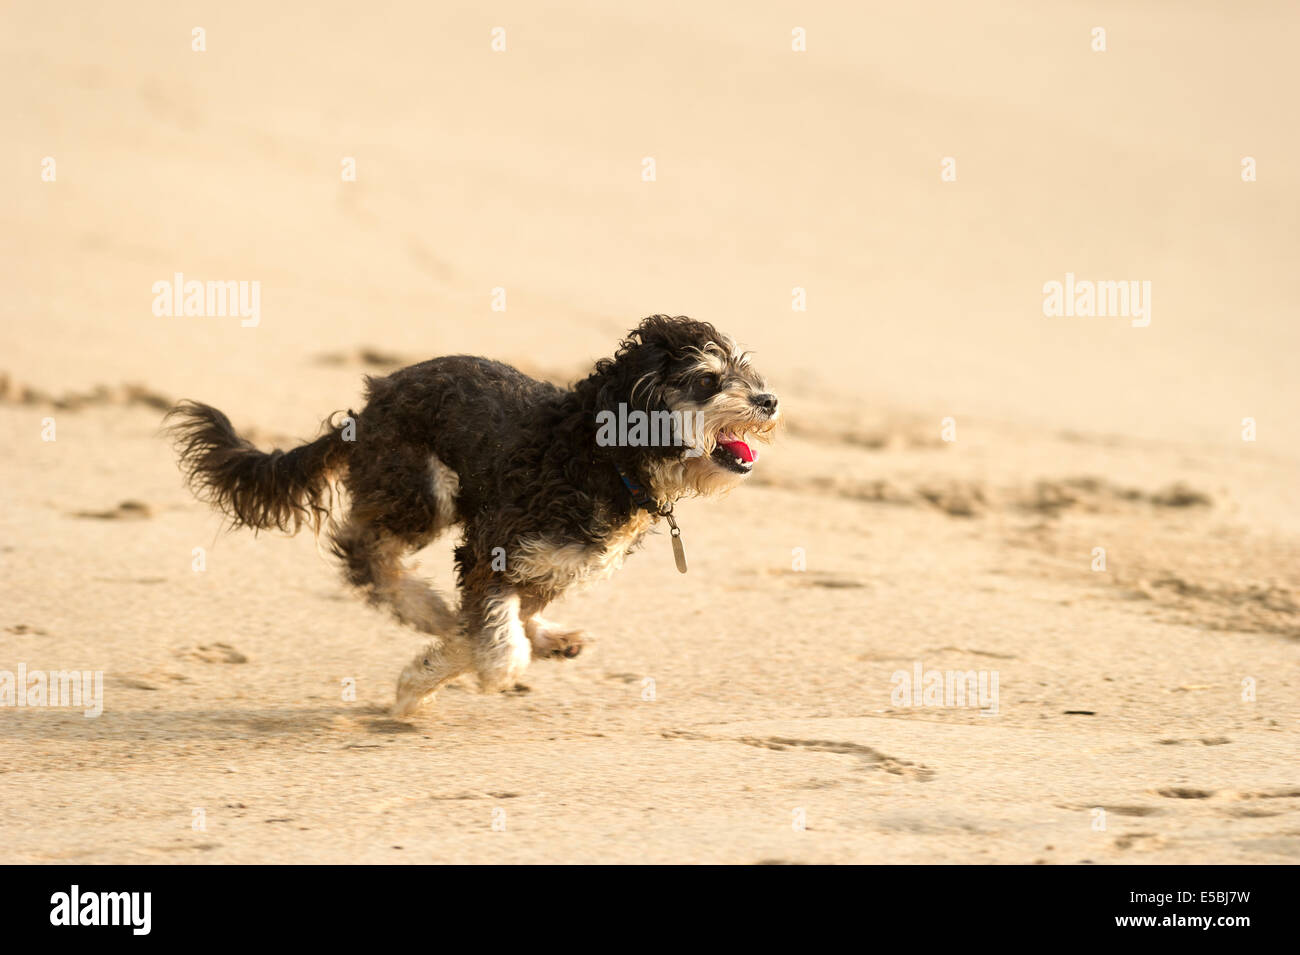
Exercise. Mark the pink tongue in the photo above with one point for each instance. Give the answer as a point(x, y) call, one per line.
point(739, 448)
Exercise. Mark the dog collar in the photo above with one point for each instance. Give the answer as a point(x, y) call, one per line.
point(640, 496)
point(642, 501)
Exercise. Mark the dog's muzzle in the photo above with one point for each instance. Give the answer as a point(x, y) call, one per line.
point(733, 454)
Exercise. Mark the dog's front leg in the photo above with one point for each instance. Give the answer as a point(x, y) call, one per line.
point(497, 639)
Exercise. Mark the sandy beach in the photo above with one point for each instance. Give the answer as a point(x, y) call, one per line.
point(1092, 514)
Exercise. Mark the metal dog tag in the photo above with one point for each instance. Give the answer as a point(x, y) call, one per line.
point(679, 552)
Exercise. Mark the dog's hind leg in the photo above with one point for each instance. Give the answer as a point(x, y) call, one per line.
point(492, 641)
point(441, 661)
point(400, 502)
point(373, 562)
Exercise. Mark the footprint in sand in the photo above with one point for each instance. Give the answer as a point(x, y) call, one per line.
point(1184, 792)
point(147, 680)
point(831, 581)
point(125, 511)
point(1114, 810)
point(1142, 840)
point(213, 653)
point(14, 393)
point(22, 628)
point(366, 358)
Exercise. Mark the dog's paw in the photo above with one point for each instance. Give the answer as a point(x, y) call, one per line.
point(405, 708)
point(415, 688)
point(501, 664)
point(441, 660)
point(409, 701)
point(558, 644)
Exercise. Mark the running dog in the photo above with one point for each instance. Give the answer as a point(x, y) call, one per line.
point(545, 491)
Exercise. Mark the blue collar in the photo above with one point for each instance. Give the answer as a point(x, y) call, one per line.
point(641, 499)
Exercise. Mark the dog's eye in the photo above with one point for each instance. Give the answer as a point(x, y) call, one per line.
point(707, 383)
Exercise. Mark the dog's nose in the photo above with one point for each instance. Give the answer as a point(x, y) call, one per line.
point(766, 402)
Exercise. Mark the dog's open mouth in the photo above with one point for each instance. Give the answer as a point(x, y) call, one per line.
point(733, 454)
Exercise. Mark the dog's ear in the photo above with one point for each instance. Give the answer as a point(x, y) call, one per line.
point(674, 334)
point(636, 377)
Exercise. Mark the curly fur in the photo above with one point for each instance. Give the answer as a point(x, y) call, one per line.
point(514, 462)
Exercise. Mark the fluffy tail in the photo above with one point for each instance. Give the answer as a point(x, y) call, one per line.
point(280, 489)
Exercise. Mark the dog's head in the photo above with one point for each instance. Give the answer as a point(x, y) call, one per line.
point(682, 404)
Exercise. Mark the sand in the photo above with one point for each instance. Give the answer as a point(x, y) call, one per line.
point(952, 461)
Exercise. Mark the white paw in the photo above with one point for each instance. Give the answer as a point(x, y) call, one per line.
point(502, 663)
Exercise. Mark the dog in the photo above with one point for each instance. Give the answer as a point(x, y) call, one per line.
point(548, 486)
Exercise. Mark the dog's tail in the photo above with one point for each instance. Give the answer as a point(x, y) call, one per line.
point(257, 489)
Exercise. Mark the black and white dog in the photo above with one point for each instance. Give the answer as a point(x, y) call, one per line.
point(550, 487)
